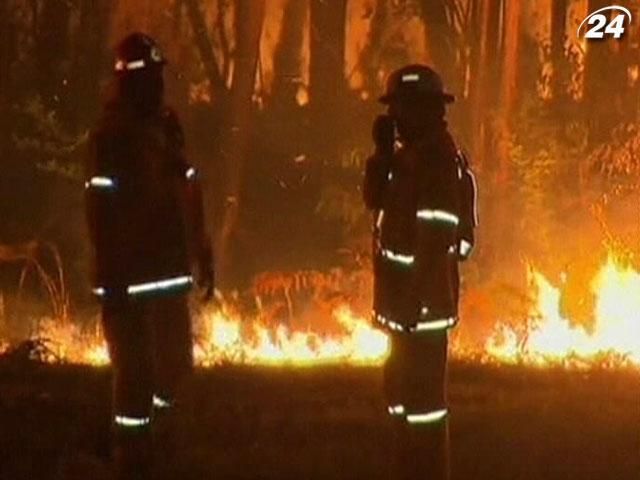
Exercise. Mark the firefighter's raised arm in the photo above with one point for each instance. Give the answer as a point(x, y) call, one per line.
point(378, 165)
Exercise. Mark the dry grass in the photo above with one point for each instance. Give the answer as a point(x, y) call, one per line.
point(247, 423)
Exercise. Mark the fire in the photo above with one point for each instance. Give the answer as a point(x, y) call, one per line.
point(553, 339)
point(224, 338)
point(66, 342)
point(227, 340)
point(543, 338)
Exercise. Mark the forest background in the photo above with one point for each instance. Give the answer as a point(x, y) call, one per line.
point(277, 98)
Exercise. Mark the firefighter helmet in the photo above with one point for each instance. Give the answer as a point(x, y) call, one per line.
point(137, 52)
point(415, 81)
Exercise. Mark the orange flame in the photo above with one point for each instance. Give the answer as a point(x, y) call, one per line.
point(66, 342)
point(554, 339)
point(227, 340)
point(546, 338)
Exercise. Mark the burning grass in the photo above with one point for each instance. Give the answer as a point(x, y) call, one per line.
point(333, 332)
point(548, 337)
point(228, 340)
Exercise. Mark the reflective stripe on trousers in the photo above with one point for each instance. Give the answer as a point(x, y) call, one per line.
point(415, 376)
point(131, 422)
point(399, 258)
point(101, 183)
point(424, 417)
point(435, 325)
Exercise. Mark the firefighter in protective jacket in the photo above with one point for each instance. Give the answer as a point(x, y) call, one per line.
point(413, 186)
point(145, 214)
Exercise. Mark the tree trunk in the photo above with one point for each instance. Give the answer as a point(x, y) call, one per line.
point(288, 55)
point(558, 57)
point(484, 79)
point(52, 44)
point(205, 48)
point(328, 35)
point(370, 56)
point(508, 84)
point(328, 84)
point(90, 62)
point(249, 20)
point(503, 38)
point(441, 41)
point(479, 82)
point(5, 65)
point(605, 81)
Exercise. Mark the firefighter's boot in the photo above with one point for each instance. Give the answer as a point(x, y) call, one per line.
point(421, 448)
point(173, 425)
point(133, 455)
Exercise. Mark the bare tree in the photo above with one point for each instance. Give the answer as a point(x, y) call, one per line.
point(288, 55)
point(605, 64)
point(205, 46)
point(558, 57)
point(508, 83)
point(249, 20)
point(5, 61)
point(441, 36)
point(328, 32)
point(51, 49)
point(89, 61)
point(370, 56)
point(484, 47)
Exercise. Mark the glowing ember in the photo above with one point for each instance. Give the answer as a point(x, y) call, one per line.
point(553, 339)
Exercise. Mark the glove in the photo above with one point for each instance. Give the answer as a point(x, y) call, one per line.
point(384, 134)
point(465, 248)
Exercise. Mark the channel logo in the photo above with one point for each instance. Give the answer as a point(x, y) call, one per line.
point(604, 24)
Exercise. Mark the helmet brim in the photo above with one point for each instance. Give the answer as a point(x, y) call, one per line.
point(388, 98)
point(125, 69)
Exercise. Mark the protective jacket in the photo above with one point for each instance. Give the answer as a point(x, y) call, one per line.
point(142, 204)
point(468, 192)
point(415, 196)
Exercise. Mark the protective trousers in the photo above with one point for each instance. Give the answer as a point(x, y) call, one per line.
point(415, 389)
point(151, 353)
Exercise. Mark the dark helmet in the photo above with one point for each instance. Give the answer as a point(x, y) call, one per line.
point(137, 52)
point(414, 82)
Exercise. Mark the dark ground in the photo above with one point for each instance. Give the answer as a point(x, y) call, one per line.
point(507, 423)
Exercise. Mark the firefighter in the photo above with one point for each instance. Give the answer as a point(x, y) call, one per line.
point(413, 186)
point(145, 215)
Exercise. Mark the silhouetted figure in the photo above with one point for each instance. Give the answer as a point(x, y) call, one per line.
point(417, 185)
point(144, 208)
